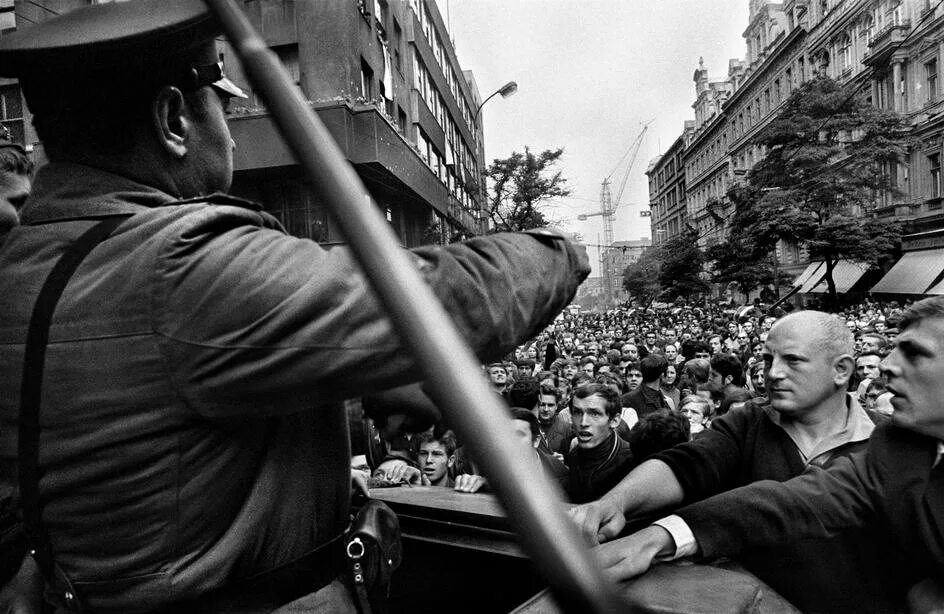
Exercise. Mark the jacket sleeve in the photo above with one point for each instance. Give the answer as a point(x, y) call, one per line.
point(253, 321)
point(709, 463)
point(817, 504)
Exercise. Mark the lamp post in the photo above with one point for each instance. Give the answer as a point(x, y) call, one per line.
point(506, 90)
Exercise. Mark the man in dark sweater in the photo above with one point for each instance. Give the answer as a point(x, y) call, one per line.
point(809, 421)
point(648, 397)
point(601, 459)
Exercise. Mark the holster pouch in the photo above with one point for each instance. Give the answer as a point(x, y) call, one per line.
point(374, 551)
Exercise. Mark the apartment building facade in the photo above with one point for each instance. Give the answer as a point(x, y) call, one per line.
point(889, 52)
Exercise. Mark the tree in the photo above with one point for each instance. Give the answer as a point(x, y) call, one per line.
point(522, 184)
point(641, 278)
point(828, 155)
point(681, 265)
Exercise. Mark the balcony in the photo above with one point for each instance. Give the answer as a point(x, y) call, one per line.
point(884, 42)
point(368, 140)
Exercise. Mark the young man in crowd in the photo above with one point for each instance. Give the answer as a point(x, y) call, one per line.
point(633, 376)
point(867, 370)
point(810, 420)
point(554, 429)
point(497, 377)
point(648, 397)
point(436, 457)
point(600, 459)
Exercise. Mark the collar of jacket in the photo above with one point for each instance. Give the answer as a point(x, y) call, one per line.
point(65, 190)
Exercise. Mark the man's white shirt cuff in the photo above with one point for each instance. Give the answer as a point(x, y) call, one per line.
point(685, 544)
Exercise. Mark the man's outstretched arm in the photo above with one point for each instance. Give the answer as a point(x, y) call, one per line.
point(818, 503)
point(649, 487)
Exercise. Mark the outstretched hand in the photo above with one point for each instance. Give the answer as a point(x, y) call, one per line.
point(599, 521)
point(634, 554)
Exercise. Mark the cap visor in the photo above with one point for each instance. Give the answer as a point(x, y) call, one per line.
point(229, 88)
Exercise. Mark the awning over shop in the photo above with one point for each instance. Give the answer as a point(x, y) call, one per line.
point(913, 274)
point(845, 275)
point(809, 272)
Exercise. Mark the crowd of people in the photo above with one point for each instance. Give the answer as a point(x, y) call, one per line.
point(634, 411)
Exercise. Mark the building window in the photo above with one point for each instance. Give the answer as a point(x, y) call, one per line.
point(367, 81)
point(11, 112)
point(288, 55)
point(844, 49)
point(930, 78)
point(934, 162)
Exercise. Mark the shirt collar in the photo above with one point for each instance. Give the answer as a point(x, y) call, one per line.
point(857, 427)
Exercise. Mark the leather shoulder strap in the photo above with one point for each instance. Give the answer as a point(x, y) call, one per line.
point(31, 390)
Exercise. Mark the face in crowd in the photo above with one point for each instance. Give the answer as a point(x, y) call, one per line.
point(633, 378)
point(498, 376)
point(434, 461)
point(914, 371)
point(800, 372)
point(868, 366)
point(591, 422)
point(547, 408)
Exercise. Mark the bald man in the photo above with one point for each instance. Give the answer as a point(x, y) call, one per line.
point(809, 420)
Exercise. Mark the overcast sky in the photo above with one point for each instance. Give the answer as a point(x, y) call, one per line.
point(590, 74)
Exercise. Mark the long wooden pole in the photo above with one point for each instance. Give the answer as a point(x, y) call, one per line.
point(531, 501)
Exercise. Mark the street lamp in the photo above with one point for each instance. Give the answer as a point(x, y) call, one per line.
point(506, 90)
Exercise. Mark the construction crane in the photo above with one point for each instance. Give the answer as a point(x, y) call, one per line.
point(608, 207)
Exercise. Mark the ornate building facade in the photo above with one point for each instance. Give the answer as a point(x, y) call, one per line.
point(890, 53)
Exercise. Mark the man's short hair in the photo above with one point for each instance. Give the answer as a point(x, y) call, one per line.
point(609, 379)
point(707, 409)
point(582, 379)
point(446, 438)
point(492, 365)
point(868, 353)
point(550, 390)
point(653, 367)
point(520, 413)
point(13, 159)
point(880, 340)
point(605, 392)
point(656, 432)
point(525, 362)
point(716, 392)
point(932, 307)
point(728, 364)
point(524, 393)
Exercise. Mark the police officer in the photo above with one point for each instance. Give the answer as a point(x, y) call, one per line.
point(191, 449)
